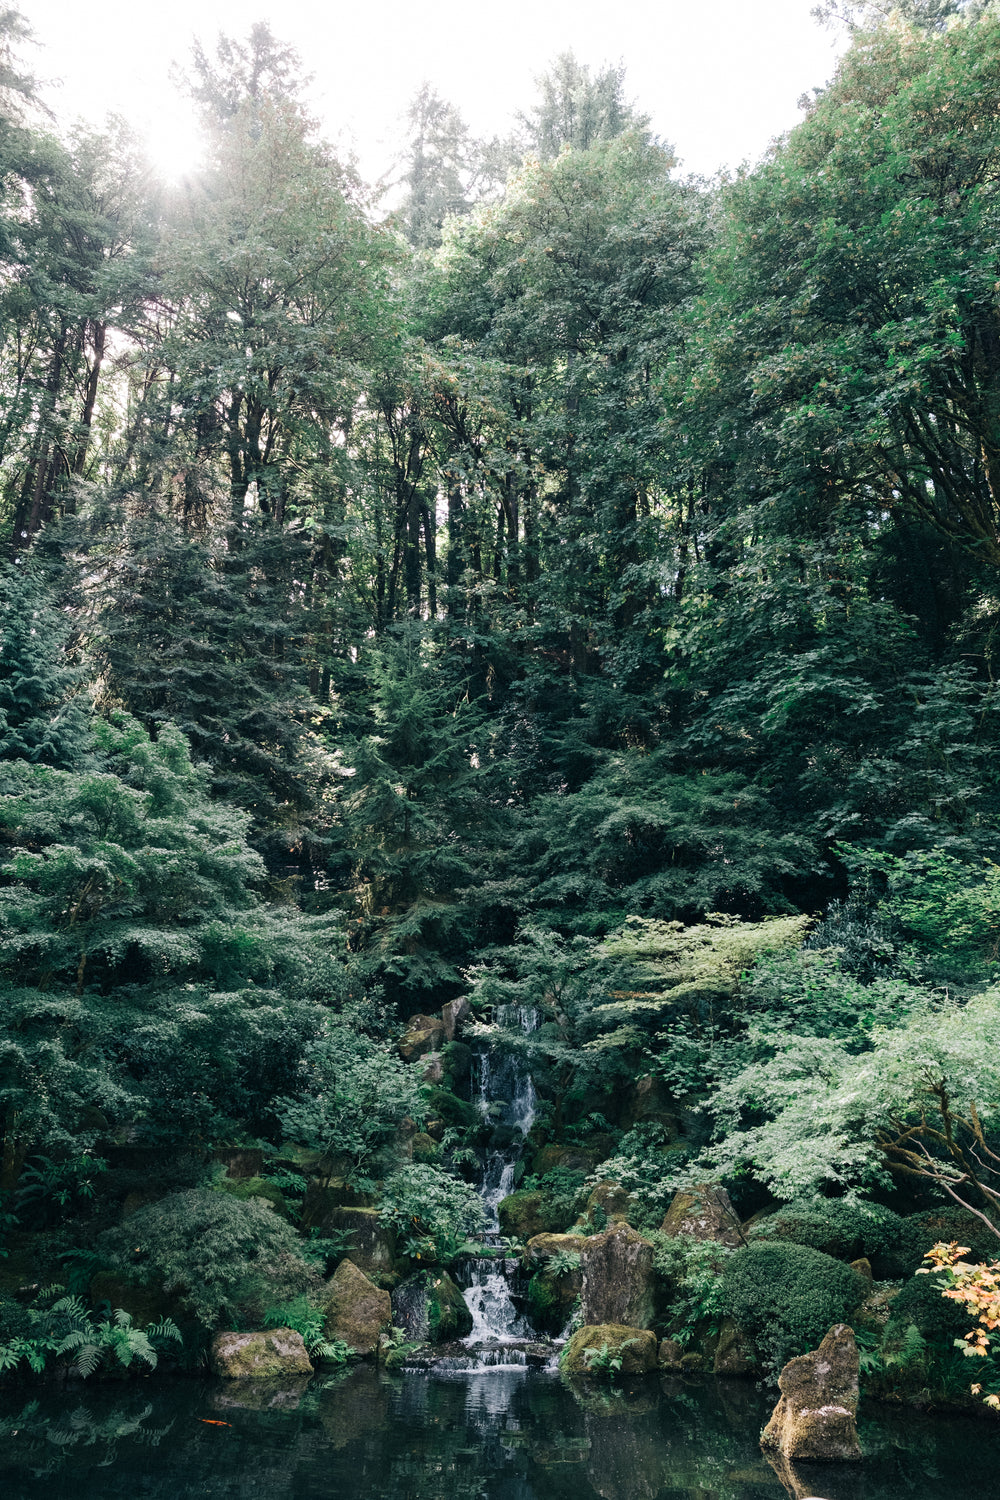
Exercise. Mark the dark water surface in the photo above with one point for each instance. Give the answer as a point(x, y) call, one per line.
point(498, 1435)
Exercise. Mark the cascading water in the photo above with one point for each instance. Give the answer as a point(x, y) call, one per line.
point(504, 1094)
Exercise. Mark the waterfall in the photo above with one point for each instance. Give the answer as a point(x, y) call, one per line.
point(505, 1094)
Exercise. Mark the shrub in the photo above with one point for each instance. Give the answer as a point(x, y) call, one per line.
point(561, 1190)
point(787, 1296)
point(691, 1269)
point(226, 1258)
point(434, 1215)
point(839, 1227)
point(918, 1232)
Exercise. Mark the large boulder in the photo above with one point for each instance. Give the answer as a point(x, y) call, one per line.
point(372, 1247)
point(635, 1347)
point(525, 1215)
point(815, 1418)
point(618, 1282)
point(357, 1310)
point(259, 1356)
point(453, 1016)
point(431, 1309)
point(704, 1213)
point(423, 1034)
point(734, 1352)
point(542, 1246)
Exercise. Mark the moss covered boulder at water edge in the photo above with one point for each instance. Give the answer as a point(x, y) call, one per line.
point(815, 1418)
point(618, 1278)
point(357, 1310)
point(430, 1309)
point(596, 1349)
point(259, 1356)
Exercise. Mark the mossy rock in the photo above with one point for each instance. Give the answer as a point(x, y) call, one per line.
point(446, 1106)
point(570, 1158)
point(430, 1308)
point(423, 1148)
point(267, 1355)
point(356, 1309)
point(636, 1347)
point(372, 1245)
point(551, 1299)
point(255, 1187)
point(523, 1215)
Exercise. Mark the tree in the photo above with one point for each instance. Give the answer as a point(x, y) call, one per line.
point(578, 109)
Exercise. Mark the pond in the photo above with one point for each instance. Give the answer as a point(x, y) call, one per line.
point(493, 1435)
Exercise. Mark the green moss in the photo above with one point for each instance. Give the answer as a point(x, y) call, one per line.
point(446, 1106)
point(524, 1214)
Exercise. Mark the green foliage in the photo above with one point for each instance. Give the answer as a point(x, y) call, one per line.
point(434, 1215)
point(787, 1296)
point(842, 1227)
point(310, 1322)
point(55, 1327)
point(222, 1257)
point(353, 1098)
point(561, 1190)
point(693, 1271)
point(563, 1263)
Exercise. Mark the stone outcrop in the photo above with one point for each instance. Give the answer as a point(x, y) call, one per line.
point(733, 1352)
point(815, 1418)
point(259, 1356)
point(704, 1213)
point(423, 1034)
point(431, 1309)
point(541, 1246)
point(524, 1216)
point(670, 1355)
point(372, 1247)
point(635, 1347)
point(618, 1283)
point(453, 1017)
point(357, 1310)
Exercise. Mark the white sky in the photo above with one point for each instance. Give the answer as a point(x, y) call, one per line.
point(719, 79)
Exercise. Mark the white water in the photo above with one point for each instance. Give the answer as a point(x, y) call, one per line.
point(505, 1094)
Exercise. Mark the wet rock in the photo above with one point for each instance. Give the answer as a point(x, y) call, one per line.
point(423, 1147)
point(423, 1034)
point(734, 1352)
point(267, 1355)
point(815, 1418)
point(704, 1213)
point(453, 1016)
point(430, 1308)
point(618, 1282)
point(357, 1310)
point(649, 1101)
point(636, 1347)
point(670, 1354)
point(241, 1161)
point(324, 1195)
point(609, 1203)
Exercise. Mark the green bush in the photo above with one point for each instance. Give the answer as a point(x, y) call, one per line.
point(442, 1104)
point(838, 1227)
point(227, 1259)
point(918, 1232)
point(434, 1215)
point(562, 1192)
point(787, 1296)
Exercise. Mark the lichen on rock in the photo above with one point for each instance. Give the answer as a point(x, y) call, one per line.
point(618, 1278)
point(259, 1356)
point(357, 1310)
point(635, 1347)
point(815, 1417)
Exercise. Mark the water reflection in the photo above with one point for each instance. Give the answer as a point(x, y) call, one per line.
point(497, 1435)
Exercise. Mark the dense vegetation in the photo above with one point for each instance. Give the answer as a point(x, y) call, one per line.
point(578, 590)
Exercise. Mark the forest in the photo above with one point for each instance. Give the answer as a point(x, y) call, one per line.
point(553, 620)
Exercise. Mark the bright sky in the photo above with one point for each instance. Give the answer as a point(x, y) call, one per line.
point(719, 79)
